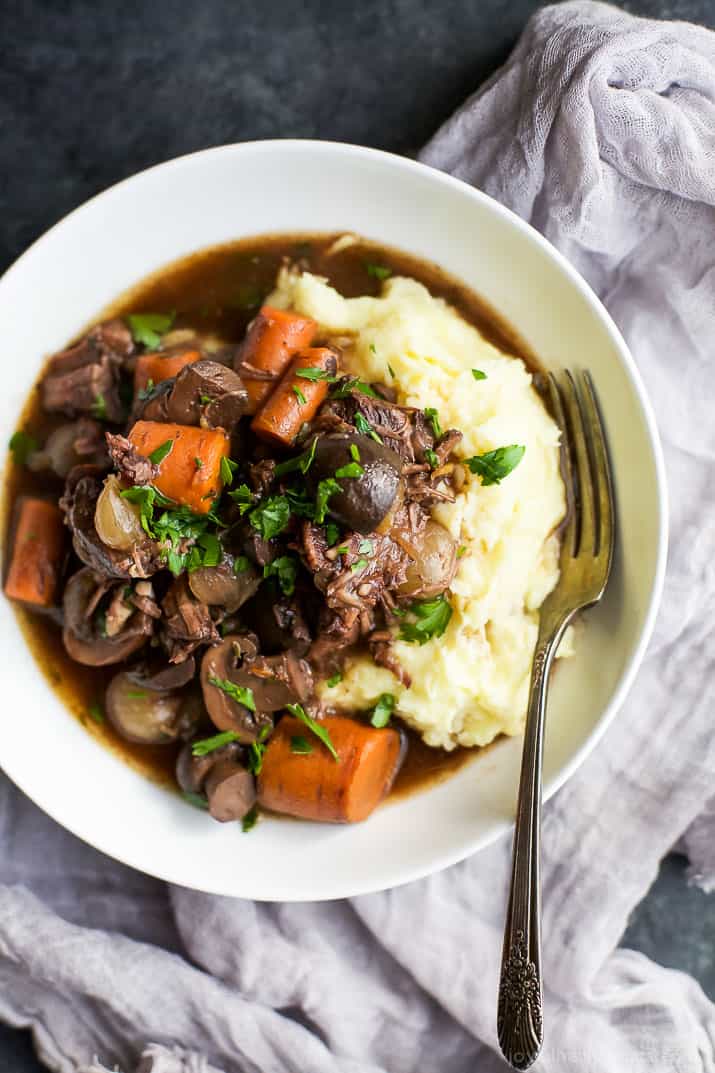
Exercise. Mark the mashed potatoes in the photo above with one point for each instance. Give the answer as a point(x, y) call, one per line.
point(470, 684)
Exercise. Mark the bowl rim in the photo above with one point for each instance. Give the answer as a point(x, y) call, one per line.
point(529, 234)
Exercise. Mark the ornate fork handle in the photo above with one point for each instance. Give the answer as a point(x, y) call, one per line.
point(519, 1012)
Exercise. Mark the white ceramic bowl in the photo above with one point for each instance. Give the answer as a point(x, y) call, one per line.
point(114, 241)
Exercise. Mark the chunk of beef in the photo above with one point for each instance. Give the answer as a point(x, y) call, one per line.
point(79, 501)
point(134, 467)
point(207, 393)
point(261, 476)
point(85, 378)
point(70, 445)
point(187, 622)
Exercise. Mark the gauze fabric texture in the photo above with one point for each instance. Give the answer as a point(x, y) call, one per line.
point(599, 130)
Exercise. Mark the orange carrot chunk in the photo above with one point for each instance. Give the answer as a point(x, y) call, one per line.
point(190, 470)
point(296, 398)
point(314, 786)
point(38, 553)
point(274, 336)
point(156, 367)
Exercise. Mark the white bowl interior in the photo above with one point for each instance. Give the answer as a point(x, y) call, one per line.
point(114, 241)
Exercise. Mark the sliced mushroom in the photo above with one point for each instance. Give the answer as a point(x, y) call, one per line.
point(84, 636)
point(366, 498)
point(433, 570)
point(191, 771)
point(70, 445)
point(231, 791)
point(224, 663)
point(208, 393)
point(222, 585)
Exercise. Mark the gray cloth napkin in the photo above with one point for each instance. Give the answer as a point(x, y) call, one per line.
point(600, 130)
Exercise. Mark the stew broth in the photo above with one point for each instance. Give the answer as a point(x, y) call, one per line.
point(219, 291)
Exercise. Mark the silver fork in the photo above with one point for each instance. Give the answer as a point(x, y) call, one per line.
point(586, 555)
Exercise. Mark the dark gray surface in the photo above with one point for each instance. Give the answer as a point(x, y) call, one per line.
point(92, 91)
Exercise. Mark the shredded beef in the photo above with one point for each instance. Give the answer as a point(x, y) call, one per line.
point(187, 622)
point(134, 467)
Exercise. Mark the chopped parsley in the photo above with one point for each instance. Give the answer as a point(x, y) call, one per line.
point(299, 395)
point(365, 428)
point(316, 374)
point(162, 451)
point(144, 392)
point(320, 732)
point(209, 745)
point(205, 400)
point(390, 370)
point(432, 458)
point(461, 550)
point(285, 569)
point(256, 751)
point(198, 463)
point(228, 469)
point(250, 820)
point(335, 680)
point(243, 496)
point(240, 694)
point(352, 384)
point(478, 374)
point(240, 564)
point(431, 620)
point(373, 348)
point(354, 452)
point(352, 469)
point(326, 488)
point(147, 497)
point(22, 445)
point(376, 271)
point(366, 547)
point(494, 466)
point(96, 712)
point(300, 462)
point(382, 711)
point(98, 408)
point(433, 418)
point(359, 565)
point(136, 694)
point(148, 328)
point(271, 516)
point(332, 532)
point(300, 745)
point(197, 800)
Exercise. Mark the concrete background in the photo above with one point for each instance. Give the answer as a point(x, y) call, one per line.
point(92, 91)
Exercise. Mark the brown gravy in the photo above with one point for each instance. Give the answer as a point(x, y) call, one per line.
point(219, 290)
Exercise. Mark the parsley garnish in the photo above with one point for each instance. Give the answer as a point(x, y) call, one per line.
point(359, 565)
point(145, 392)
point(205, 399)
point(300, 745)
point(256, 751)
point(383, 710)
point(354, 452)
point(326, 488)
point(250, 820)
point(148, 328)
point(96, 712)
point(208, 745)
point(378, 271)
point(334, 680)
point(461, 550)
point(332, 532)
point(432, 619)
point(98, 408)
point(195, 799)
point(366, 547)
point(431, 457)
point(271, 516)
point(478, 374)
point(320, 732)
point(147, 497)
point(22, 445)
point(198, 463)
point(285, 569)
point(390, 370)
point(373, 348)
point(494, 466)
point(316, 374)
point(243, 496)
point(352, 469)
point(157, 456)
point(350, 385)
point(241, 694)
point(300, 462)
point(228, 469)
point(299, 395)
point(363, 426)
point(240, 564)
point(433, 418)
